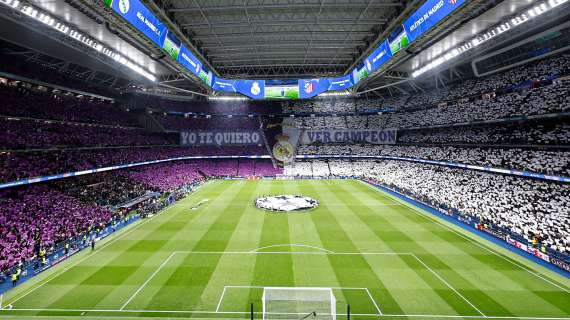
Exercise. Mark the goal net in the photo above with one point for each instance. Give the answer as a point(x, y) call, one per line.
point(298, 303)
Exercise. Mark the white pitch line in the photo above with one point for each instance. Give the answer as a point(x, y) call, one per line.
point(221, 297)
point(373, 301)
point(496, 253)
point(435, 219)
point(283, 252)
point(292, 245)
point(148, 280)
point(259, 312)
point(448, 285)
point(437, 316)
point(295, 288)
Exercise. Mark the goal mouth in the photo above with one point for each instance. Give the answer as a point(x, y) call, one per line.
point(298, 303)
point(286, 203)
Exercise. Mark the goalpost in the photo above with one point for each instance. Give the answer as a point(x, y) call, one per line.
point(298, 303)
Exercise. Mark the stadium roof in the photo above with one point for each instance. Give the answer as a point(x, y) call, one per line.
point(280, 39)
point(258, 39)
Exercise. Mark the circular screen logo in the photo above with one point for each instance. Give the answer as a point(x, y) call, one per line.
point(124, 6)
point(255, 89)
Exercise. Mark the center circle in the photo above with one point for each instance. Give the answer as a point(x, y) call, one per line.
point(286, 203)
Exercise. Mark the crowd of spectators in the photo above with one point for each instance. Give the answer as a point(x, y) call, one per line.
point(543, 100)
point(17, 134)
point(540, 161)
point(39, 216)
point(474, 88)
point(26, 102)
point(20, 165)
point(535, 210)
point(43, 215)
point(554, 133)
point(46, 215)
point(178, 123)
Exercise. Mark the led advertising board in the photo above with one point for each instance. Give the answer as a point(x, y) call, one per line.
point(378, 57)
point(254, 89)
point(429, 14)
point(309, 88)
point(134, 12)
point(140, 17)
point(189, 60)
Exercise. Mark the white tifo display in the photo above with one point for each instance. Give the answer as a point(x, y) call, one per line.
point(298, 303)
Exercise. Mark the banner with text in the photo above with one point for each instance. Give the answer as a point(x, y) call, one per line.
point(381, 136)
point(140, 17)
point(220, 138)
point(428, 15)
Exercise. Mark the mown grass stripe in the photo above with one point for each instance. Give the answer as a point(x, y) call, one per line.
point(490, 270)
point(491, 302)
point(331, 234)
point(192, 275)
point(400, 241)
point(312, 270)
point(272, 270)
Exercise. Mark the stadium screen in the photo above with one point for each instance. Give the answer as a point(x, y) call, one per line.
point(172, 45)
point(398, 40)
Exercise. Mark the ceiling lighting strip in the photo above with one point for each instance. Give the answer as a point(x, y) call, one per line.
point(45, 18)
point(506, 26)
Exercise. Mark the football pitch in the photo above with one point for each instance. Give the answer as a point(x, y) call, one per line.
point(379, 255)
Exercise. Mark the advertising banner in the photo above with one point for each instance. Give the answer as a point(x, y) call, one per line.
point(141, 18)
point(560, 263)
point(220, 138)
point(381, 136)
point(340, 83)
point(429, 14)
point(189, 60)
point(225, 85)
point(378, 57)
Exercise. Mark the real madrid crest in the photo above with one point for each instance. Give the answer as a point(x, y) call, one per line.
point(283, 149)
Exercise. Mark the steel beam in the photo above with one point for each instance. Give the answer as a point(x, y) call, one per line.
point(290, 7)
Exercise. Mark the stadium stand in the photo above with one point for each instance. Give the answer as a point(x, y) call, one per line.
point(529, 208)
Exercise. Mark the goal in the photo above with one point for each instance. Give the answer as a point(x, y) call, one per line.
point(298, 303)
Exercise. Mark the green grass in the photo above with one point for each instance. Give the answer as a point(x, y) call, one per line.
point(369, 247)
point(275, 92)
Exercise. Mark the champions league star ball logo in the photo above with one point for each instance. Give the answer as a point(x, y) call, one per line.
point(255, 89)
point(124, 6)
